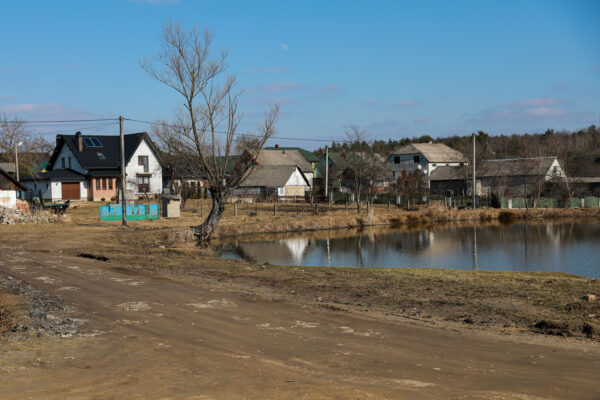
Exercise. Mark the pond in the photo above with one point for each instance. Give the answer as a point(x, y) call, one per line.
point(567, 246)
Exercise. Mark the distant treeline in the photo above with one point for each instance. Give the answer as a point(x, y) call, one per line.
point(578, 152)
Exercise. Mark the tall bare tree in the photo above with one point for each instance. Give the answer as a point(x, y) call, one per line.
point(359, 164)
point(206, 128)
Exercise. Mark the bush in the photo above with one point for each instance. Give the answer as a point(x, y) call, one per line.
point(103, 199)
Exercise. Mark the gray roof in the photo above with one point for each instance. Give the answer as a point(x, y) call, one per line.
point(274, 176)
point(433, 152)
point(283, 157)
point(537, 166)
point(8, 167)
point(445, 173)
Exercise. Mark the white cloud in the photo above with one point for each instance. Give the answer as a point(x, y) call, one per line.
point(539, 102)
point(372, 102)
point(47, 111)
point(407, 103)
point(284, 46)
point(332, 87)
point(545, 112)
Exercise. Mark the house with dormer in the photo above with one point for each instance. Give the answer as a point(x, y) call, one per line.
point(87, 167)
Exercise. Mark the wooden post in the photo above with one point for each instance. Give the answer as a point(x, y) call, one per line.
point(317, 208)
point(123, 174)
point(235, 209)
point(388, 206)
point(346, 204)
point(201, 209)
point(274, 209)
point(368, 206)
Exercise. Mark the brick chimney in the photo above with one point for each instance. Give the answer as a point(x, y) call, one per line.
point(79, 141)
point(58, 138)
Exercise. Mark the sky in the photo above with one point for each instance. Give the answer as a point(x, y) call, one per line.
point(394, 68)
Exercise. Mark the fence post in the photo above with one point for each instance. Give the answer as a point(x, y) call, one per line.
point(201, 210)
point(388, 206)
point(274, 209)
point(368, 206)
point(317, 208)
point(235, 209)
point(346, 204)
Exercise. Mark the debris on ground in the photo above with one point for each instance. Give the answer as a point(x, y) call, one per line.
point(9, 216)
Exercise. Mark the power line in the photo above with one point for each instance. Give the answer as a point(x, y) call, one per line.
point(66, 121)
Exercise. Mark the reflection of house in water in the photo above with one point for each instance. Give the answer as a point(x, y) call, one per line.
point(285, 251)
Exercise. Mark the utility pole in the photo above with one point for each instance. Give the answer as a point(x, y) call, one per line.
point(326, 170)
point(473, 188)
point(123, 175)
point(17, 159)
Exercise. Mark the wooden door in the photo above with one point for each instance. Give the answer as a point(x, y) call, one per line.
point(70, 191)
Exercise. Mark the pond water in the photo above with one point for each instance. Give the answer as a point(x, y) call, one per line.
point(572, 247)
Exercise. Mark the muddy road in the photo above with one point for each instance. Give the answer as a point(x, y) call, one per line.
point(146, 337)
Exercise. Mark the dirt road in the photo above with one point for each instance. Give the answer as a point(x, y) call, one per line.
point(154, 338)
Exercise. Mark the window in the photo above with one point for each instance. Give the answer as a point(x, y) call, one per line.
point(555, 170)
point(397, 160)
point(416, 159)
point(435, 165)
point(103, 183)
point(110, 183)
point(69, 162)
point(101, 156)
point(143, 183)
point(92, 142)
point(97, 184)
point(143, 160)
point(62, 161)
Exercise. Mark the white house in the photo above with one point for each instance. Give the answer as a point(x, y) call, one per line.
point(274, 180)
point(424, 157)
point(87, 167)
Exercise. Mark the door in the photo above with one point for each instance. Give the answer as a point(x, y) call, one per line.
point(70, 191)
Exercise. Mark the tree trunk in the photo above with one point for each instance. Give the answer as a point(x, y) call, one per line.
point(204, 232)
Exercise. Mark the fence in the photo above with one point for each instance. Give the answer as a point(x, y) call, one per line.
point(544, 202)
point(134, 212)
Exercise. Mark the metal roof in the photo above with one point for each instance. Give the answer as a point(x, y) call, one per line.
point(60, 175)
point(433, 152)
point(283, 157)
point(275, 176)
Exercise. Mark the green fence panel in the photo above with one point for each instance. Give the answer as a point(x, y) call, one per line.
point(592, 201)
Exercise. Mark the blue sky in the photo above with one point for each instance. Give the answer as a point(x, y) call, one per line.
point(395, 68)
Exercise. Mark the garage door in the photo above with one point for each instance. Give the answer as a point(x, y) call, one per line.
point(70, 191)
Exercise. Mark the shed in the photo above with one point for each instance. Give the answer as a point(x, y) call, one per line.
point(274, 180)
point(9, 187)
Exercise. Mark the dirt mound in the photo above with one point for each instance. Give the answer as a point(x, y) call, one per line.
point(10, 216)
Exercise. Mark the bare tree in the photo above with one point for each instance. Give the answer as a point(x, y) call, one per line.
point(206, 127)
point(359, 164)
point(32, 149)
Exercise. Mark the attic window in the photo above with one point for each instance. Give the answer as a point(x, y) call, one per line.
point(91, 142)
point(101, 156)
point(416, 159)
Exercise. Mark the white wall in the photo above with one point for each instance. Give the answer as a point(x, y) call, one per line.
point(66, 153)
point(133, 169)
point(296, 179)
point(8, 198)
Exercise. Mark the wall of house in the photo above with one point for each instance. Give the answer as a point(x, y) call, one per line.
point(8, 198)
point(33, 189)
point(293, 190)
point(99, 194)
point(406, 163)
point(133, 169)
point(66, 153)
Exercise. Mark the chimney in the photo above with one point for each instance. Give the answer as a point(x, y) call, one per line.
point(276, 146)
point(79, 141)
point(58, 138)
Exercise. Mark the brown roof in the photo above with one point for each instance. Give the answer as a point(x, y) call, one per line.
point(5, 175)
point(283, 157)
point(433, 152)
point(270, 176)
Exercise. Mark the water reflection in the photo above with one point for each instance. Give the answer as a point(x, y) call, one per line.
point(572, 247)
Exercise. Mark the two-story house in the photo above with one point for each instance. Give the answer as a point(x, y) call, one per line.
point(424, 157)
point(87, 167)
